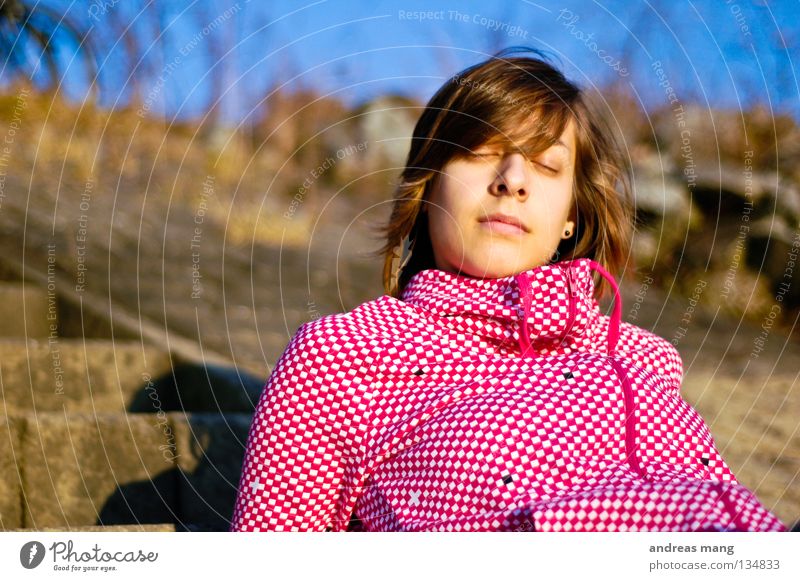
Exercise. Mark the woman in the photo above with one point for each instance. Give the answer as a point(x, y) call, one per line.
point(486, 390)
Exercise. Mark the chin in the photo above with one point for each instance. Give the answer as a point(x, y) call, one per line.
point(494, 269)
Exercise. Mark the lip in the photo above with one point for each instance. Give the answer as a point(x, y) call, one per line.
point(504, 224)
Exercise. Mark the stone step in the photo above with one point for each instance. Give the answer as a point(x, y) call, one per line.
point(66, 470)
point(11, 511)
point(156, 528)
point(76, 374)
point(97, 375)
point(25, 311)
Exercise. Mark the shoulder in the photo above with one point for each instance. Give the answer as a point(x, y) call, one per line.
point(330, 340)
point(652, 352)
point(328, 365)
point(377, 323)
point(348, 339)
point(643, 348)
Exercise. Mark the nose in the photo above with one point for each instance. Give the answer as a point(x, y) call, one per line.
point(512, 177)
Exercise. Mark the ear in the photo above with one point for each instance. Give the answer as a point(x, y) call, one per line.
point(569, 229)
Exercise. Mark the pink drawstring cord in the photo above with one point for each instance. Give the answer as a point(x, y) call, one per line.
point(613, 338)
point(616, 314)
point(524, 338)
point(523, 282)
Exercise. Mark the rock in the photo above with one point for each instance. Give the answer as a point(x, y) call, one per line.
point(11, 515)
point(77, 375)
point(24, 310)
point(140, 528)
point(72, 466)
point(386, 125)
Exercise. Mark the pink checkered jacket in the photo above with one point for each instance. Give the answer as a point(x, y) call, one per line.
point(485, 405)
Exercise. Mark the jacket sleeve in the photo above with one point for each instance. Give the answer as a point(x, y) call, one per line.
point(309, 424)
point(651, 352)
point(656, 354)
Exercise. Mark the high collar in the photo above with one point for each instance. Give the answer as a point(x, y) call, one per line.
point(540, 308)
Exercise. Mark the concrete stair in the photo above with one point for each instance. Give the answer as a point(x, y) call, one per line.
point(76, 374)
point(105, 434)
point(24, 311)
point(165, 528)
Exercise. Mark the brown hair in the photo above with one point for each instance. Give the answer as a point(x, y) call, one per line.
point(506, 101)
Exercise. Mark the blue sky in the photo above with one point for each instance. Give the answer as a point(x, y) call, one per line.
point(719, 52)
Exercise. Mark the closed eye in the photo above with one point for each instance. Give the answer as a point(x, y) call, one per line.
point(546, 168)
point(490, 154)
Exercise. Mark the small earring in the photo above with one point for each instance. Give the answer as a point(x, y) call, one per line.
point(567, 232)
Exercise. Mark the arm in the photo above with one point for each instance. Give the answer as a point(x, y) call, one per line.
point(651, 352)
point(656, 354)
point(308, 426)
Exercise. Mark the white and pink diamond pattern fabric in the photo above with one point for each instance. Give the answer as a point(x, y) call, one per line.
point(507, 404)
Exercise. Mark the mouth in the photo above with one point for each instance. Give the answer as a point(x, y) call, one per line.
point(503, 224)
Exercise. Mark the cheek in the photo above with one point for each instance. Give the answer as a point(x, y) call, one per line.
point(449, 216)
point(449, 208)
point(444, 226)
point(562, 200)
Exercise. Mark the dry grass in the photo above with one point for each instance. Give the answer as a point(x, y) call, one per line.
point(64, 150)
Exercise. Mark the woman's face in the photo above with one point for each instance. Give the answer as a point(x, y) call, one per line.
point(536, 193)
